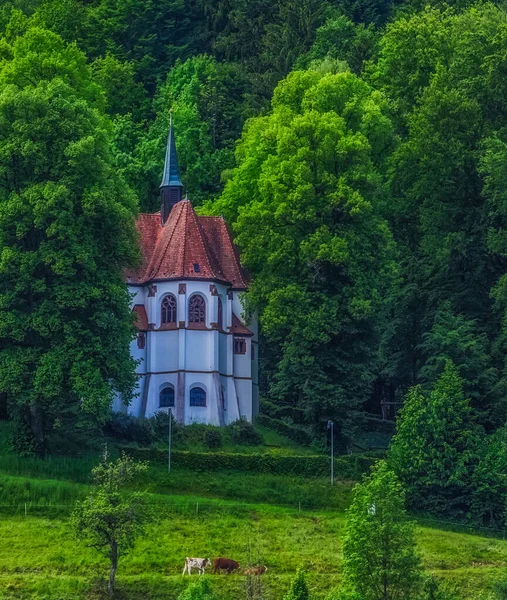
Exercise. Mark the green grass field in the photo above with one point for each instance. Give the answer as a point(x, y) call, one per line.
point(40, 559)
point(280, 521)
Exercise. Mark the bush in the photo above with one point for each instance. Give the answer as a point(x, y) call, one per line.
point(213, 438)
point(298, 588)
point(244, 433)
point(347, 467)
point(199, 590)
point(128, 428)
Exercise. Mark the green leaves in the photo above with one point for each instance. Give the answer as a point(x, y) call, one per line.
point(304, 201)
point(110, 520)
point(66, 233)
point(298, 588)
point(436, 446)
point(379, 557)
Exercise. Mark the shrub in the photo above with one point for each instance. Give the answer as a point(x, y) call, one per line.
point(128, 428)
point(213, 438)
point(298, 588)
point(347, 467)
point(199, 590)
point(244, 433)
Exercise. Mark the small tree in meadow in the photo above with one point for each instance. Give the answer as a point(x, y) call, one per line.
point(298, 588)
point(110, 519)
point(379, 558)
point(199, 590)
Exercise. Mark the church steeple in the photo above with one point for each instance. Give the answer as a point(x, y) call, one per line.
point(171, 188)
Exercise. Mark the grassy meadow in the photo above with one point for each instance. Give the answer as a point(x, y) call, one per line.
point(280, 521)
point(39, 558)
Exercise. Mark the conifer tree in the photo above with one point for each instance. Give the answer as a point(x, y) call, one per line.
point(298, 588)
point(435, 446)
point(379, 558)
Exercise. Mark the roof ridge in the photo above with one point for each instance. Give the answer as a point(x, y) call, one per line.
point(151, 269)
point(204, 245)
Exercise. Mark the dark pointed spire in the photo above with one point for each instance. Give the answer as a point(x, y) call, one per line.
point(171, 188)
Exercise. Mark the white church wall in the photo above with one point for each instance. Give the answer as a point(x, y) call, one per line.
point(232, 412)
point(243, 362)
point(244, 392)
point(164, 351)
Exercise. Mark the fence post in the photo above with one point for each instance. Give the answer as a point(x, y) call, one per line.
point(25, 509)
point(197, 508)
point(300, 507)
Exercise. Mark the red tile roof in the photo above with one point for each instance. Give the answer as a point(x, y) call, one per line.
point(238, 328)
point(173, 251)
point(141, 317)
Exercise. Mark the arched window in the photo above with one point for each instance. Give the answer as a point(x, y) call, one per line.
point(197, 397)
point(166, 398)
point(196, 309)
point(169, 309)
point(220, 314)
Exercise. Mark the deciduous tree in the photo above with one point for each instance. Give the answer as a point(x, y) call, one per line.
point(66, 233)
point(305, 203)
point(111, 519)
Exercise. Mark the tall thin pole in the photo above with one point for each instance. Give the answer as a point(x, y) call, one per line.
point(170, 435)
point(330, 425)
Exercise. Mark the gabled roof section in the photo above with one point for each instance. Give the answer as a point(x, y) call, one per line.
point(238, 328)
point(186, 247)
point(219, 241)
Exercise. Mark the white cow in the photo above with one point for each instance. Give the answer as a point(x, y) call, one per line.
point(195, 563)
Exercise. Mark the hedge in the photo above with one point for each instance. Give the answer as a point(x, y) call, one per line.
point(350, 467)
point(293, 432)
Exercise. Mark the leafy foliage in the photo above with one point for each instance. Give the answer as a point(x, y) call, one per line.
point(298, 588)
point(304, 201)
point(379, 557)
point(199, 590)
point(108, 520)
point(66, 233)
point(436, 446)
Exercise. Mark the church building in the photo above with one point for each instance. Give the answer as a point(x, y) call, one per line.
point(197, 356)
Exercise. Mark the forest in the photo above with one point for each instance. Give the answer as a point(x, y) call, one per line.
point(357, 149)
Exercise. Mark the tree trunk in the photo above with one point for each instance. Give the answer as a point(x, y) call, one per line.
point(37, 427)
point(114, 567)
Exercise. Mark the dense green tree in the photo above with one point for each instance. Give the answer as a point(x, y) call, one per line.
point(124, 95)
point(379, 557)
point(489, 481)
point(457, 339)
point(110, 519)
point(206, 98)
point(66, 233)
point(305, 202)
point(341, 39)
point(437, 68)
point(436, 446)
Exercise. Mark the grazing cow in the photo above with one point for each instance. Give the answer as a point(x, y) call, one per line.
point(195, 563)
point(224, 564)
point(255, 570)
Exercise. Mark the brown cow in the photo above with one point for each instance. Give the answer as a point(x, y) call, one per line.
point(255, 570)
point(225, 564)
